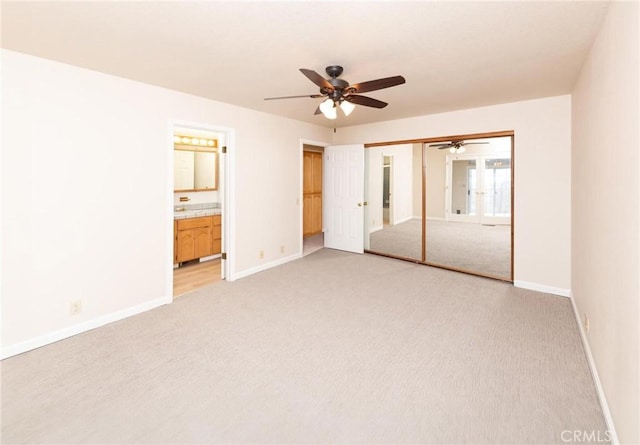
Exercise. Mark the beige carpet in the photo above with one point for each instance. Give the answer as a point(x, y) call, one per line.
point(475, 247)
point(331, 348)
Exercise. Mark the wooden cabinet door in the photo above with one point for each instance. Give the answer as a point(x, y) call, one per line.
point(312, 193)
point(316, 169)
point(316, 213)
point(194, 238)
point(186, 246)
point(307, 176)
point(217, 234)
point(307, 215)
point(203, 241)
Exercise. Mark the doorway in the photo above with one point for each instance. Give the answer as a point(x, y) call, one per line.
point(312, 198)
point(199, 217)
point(387, 194)
point(479, 189)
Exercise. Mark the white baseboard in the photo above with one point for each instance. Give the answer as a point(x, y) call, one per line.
point(435, 218)
point(375, 229)
point(596, 378)
point(400, 221)
point(79, 328)
point(542, 288)
point(269, 265)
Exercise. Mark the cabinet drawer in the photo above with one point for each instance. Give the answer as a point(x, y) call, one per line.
point(193, 223)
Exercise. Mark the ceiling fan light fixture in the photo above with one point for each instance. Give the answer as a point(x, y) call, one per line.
point(347, 107)
point(328, 108)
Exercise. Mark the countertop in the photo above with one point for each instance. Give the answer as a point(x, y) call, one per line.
point(196, 213)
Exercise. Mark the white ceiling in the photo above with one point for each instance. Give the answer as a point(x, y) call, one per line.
point(454, 55)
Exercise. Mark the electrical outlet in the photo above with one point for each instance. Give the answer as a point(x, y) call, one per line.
point(281, 249)
point(261, 254)
point(75, 308)
point(586, 323)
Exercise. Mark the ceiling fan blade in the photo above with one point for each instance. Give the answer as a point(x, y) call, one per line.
point(441, 145)
point(378, 84)
point(469, 143)
point(318, 111)
point(317, 79)
point(313, 96)
point(366, 101)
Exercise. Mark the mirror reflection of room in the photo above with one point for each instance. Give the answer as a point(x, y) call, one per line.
point(467, 204)
point(394, 213)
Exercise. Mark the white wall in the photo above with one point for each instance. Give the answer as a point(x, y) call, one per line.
point(542, 176)
point(605, 215)
point(87, 194)
point(436, 183)
point(417, 181)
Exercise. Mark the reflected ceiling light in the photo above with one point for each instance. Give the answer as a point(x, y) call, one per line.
point(328, 108)
point(460, 149)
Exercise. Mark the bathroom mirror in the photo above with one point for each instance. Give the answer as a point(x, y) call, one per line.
point(195, 169)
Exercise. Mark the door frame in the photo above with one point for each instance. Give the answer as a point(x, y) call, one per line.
point(480, 216)
point(391, 220)
point(449, 215)
point(431, 140)
point(300, 199)
point(226, 171)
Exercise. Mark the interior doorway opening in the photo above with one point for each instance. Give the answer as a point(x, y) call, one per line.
point(312, 198)
point(199, 221)
point(387, 186)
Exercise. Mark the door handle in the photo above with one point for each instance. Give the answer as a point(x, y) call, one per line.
point(359, 204)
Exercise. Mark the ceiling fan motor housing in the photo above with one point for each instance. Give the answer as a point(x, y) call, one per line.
point(334, 70)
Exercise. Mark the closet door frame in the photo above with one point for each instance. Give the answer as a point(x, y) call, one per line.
point(432, 140)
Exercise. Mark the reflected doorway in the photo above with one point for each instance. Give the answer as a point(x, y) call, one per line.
point(479, 188)
point(387, 184)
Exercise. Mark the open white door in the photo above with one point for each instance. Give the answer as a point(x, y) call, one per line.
point(344, 197)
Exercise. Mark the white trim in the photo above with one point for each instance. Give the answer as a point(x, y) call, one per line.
point(227, 197)
point(84, 326)
point(432, 218)
point(375, 229)
point(247, 272)
point(403, 220)
point(301, 194)
point(608, 418)
point(229, 205)
point(542, 288)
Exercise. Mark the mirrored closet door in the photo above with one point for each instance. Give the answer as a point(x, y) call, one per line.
point(443, 204)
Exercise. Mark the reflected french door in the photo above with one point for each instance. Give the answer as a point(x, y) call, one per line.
point(479, 189)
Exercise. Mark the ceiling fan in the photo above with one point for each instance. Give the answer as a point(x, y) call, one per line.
point(340, 94)
point(455, 146)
